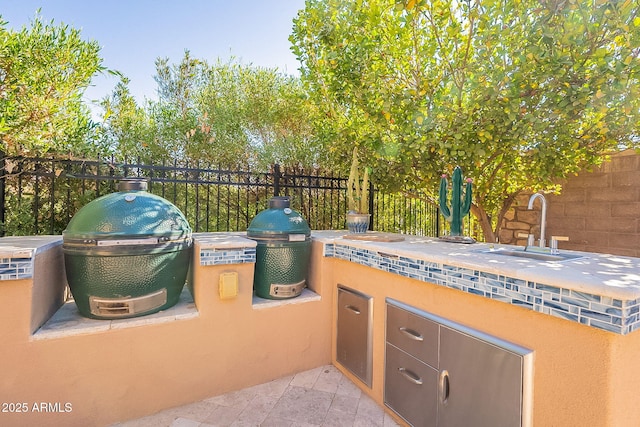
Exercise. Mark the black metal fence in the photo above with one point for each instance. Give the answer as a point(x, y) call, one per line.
point(40, 196)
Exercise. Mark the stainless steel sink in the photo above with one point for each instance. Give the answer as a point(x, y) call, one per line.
point(540, 256)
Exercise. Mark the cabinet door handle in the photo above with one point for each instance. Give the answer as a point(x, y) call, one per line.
point(443, 386)
point(410, 376)
point(352, 308)
point(411, 334)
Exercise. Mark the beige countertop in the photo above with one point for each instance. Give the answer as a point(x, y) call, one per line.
point(26, 246)
point(599, 274)
point(223, 240)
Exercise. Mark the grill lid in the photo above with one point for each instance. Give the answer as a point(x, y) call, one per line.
point(279, 222)
point(130, 218)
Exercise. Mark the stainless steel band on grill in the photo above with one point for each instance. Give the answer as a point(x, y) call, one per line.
point(126, 246)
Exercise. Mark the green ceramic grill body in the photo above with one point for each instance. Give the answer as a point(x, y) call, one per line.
point(282, 252)
point(127, 254)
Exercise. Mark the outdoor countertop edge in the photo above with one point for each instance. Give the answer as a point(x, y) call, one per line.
point(223, 240)
point(599, 274)
point(26, 247)
point(595, 273)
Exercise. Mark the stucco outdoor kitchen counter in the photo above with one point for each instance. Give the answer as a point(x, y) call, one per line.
point(598, 290)
point(601, 274)
point(17, 254)
point(26, 246)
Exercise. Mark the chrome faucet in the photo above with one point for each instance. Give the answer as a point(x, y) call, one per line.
point(543, 215)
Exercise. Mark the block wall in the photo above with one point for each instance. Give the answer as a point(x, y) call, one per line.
point(598, 210)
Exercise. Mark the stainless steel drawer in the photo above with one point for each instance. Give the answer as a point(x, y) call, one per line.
point(414, 334)
point(411, 388)
point(354, 333)
point(475, 379)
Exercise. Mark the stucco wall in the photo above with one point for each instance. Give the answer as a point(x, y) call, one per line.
point(120, 374)
point(582, 376)
point(599, 210)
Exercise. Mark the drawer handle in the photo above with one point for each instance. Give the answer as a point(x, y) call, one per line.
point(411, 334)
point(443, 386)
point(352, 308)
point(410, 376)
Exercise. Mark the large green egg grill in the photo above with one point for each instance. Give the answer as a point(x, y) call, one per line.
point(282, 252)
point(127, 254)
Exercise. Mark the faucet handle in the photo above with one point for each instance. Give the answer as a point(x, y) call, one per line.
point(554, 242)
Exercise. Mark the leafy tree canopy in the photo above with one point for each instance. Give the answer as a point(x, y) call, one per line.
point(44, 70)
point(518, 93)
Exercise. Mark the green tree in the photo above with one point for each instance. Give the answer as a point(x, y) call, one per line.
point(278, 119)
point(225, 113)
point(126, 127)
point(44, 70)
point(518, 93)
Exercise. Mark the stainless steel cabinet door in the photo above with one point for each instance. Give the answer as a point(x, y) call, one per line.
point(354, 333)
point(410, 388)
point(480, 384)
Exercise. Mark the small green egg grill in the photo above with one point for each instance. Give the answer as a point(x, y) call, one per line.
point(282, 252)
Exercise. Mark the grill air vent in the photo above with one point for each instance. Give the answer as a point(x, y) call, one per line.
point(120, 307)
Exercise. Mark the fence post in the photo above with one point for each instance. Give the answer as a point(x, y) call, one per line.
point(276, 180)
point(371, 190)
point(2, 186)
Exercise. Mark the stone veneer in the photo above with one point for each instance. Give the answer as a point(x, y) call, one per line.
point(598, 210)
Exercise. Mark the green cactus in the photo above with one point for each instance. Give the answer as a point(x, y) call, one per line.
point(459, 207)
point(358, 190)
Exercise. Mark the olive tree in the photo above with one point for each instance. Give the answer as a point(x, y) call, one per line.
point(44, 71)
point(224, 113)
point(519, 93)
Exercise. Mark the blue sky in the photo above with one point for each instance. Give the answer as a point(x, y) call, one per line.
point(133, 33)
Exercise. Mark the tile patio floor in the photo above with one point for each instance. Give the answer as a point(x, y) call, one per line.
point(318, 397)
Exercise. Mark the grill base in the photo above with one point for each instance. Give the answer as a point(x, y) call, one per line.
point(291, 290)
point(115, 308)
point(281, 265)
point(125, 286)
